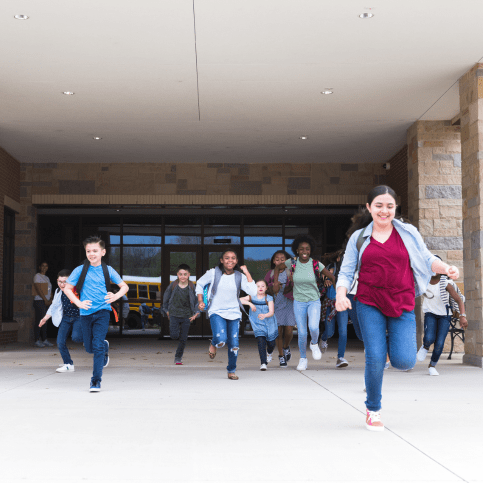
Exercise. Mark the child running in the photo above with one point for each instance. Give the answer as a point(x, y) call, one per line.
point(66, 316)
point(93, 280)
point(263, 322)
point(437, 317)
point(180, 305)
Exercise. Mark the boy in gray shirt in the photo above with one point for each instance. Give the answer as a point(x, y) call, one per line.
point(181, 307)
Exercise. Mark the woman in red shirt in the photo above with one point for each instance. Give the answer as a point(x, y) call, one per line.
point(394, 267)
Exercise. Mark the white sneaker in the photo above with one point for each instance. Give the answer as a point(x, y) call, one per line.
point(433, 371)
point(316, 354)
point(422, 353)
point(341, 363)
point(263, 367)
point(269, 357)
point(39, 343)
point(47, 343)
point(373, 421)
point(323, 345)
point(66, 368)
point(386, 365)
point(302, 364)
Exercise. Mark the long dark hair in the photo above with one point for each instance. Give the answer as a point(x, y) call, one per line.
point(363, 218)
point(283, 252)
point(221, 266)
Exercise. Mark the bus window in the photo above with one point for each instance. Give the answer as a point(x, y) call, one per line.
point(153, 289)
point(143, 291)
point(133, 291)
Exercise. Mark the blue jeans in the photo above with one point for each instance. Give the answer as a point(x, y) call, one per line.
point(401, 342)
point(226, 331)
point(302, 310)
point(353, 316)
point(436, 329)
point(94, 329)
point(342, 319)
point(67, 325)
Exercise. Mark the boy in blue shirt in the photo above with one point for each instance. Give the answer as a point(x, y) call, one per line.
point(93, 278)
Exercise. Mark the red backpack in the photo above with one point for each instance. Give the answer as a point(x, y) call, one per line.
point(318, 276)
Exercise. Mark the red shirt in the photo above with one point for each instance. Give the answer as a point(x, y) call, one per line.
point(386, 279)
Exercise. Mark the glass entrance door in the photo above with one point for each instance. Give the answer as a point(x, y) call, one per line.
point(173, 257)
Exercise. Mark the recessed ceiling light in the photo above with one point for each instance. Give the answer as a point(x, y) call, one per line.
point(68, 93)
point(96, 138)
point(304, 137)
point(366, 15)
point(21, 17)
point(327, 92)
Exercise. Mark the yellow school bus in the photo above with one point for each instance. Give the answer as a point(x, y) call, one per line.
point(142, 290)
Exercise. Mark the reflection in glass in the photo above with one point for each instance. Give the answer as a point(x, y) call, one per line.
point(141, 234)
point(113, 258)
point(263, 240)
point(111, 234)
point(178, 258)
point(142, 262)
point(183, 235)
point(257, 260)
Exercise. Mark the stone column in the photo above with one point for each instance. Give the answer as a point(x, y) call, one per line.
point(471, 105)
point(434, 192)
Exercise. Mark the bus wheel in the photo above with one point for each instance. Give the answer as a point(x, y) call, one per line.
point(134, 320)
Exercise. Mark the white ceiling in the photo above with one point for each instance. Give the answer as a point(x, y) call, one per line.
point(260, 68)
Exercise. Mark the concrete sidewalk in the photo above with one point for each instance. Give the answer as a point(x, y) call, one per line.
point(154, 421)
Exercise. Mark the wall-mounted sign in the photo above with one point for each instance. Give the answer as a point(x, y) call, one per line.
point(222, 240)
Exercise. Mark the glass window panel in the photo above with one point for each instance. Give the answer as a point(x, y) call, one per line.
point(142, 264)
point(133, 291)
point(263, 240)
point(183, 235)
point(257, 260)
point(262, 230)
point(141, 234)
point(263, 221)
point(113, 258)
point(210, 240)
point(110, 233)
point(315, 231)
point(215, 230)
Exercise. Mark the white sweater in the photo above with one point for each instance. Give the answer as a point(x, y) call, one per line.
point(225, 302)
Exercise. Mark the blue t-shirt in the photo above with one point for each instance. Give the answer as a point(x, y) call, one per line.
point(94, 288)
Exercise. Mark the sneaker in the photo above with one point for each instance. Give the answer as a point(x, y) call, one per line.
point(433, 371)
point(39, 343)
point(263, 367)
point(269, 357)
point(341, 363)
point(283, 361)
point(422, 353)
point(302, 364)
point(179, 363)
point(386, 365)
point(287, 354)
point(316, 354)
point(323, 346)
point(106, 355)
point(373, 421)
point(95, 387)
point(65, 368)
point(47, 343)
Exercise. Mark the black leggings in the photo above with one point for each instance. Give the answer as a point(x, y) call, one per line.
point(265, 346)
point(40, 311)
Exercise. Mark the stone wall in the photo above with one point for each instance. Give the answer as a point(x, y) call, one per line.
point(434, 189)
point(201, 179)
point(397, 178)
point(471, 104)
point(9, 186)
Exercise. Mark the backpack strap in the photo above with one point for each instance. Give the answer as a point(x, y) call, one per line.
point(360, 240)
point(82, 277)
point(238, 281)
point(107, 278)
point(214, 285)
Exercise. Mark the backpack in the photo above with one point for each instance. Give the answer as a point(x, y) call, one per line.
point(107, 280)
point(214, 286)
point(318, 276)
point(175, 283)
point(449, 301)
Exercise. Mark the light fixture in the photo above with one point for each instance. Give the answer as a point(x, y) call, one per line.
point(366, 15)
point(68, 93)
point(21, 17)
point(327, 92)
point(304, 137)
point(96, 138)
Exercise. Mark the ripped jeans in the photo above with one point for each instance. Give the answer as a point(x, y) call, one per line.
point(226, 332)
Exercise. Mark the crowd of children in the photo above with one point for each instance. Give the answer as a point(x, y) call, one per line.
point(377, 291)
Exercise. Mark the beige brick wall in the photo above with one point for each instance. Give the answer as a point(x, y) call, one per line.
point(434, 193)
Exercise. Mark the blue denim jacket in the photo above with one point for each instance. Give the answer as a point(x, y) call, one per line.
point(420, 257)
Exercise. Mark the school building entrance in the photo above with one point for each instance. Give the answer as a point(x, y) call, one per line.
point(147, 248)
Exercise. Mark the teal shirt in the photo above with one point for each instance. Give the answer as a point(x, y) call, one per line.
point(304, 283)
